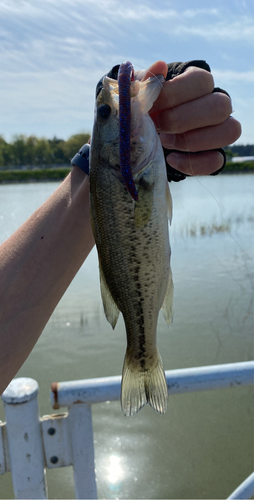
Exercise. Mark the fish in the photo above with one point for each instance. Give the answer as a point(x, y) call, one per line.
point(132, 236)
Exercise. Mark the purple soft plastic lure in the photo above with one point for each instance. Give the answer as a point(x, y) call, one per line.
point(125, 76)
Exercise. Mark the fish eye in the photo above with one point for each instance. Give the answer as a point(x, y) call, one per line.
point(104, 111)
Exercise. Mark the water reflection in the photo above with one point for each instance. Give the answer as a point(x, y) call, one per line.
point(115, 470)
point(213, 323)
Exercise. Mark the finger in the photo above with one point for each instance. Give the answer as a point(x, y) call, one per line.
point(204, 163)
point(157, 68)
point(209, 110)
point(213, 137)
point(190, 85)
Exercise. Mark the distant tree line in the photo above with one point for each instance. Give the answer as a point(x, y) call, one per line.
point(33, 151)
point(247, 150)
point(38, 152)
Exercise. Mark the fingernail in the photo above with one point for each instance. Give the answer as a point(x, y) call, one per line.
point(173, 159)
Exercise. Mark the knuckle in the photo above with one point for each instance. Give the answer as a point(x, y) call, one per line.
point(218, 159)
point(235, 129)
point(182, 142)
point(176, 120)
point(204, 78)
point(170, 121)
point(178, 127)
point(208, 81)
point(227, 104)
point(223, 105)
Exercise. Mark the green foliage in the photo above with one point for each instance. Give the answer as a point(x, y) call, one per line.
point(239, 167)
point(33, 151)
point(241, 150)
point(34, 175)
point(5, 153)
point(74, 143)
point(59, 173)
point(40, 156)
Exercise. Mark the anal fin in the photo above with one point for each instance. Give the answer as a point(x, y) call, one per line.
point(167, 306)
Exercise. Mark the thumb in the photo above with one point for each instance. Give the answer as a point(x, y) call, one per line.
point(157, 68)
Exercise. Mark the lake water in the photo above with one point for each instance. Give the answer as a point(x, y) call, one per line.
point(203, 446)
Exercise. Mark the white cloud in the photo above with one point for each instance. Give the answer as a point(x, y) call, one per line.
point(191, 13)
point(239, 30)
point(234, 76)
point(53, 52)
point(142, 13)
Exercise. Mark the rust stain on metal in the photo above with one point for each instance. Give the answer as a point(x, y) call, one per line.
point(53, 416)
point(54, 389)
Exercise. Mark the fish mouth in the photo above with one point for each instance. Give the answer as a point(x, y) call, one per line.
point(125, 77)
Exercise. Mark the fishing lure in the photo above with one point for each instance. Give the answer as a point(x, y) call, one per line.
point(125, 77)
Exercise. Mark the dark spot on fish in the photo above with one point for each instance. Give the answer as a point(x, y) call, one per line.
point(142, 363)
point(145, 184)
point(141, 355)
point(114, 167)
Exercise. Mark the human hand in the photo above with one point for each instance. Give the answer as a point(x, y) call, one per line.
point(193, 120)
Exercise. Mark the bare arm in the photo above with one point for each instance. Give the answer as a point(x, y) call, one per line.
point(37, 264)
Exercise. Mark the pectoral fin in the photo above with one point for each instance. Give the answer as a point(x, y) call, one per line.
point(110, 308)
point(167, 306)
point(149, 91)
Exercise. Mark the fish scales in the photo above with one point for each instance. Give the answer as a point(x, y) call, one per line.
point(132, 240)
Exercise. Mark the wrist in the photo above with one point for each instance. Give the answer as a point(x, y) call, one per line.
point(81, 159)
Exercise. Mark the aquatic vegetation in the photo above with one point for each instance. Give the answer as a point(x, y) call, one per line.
point(202, 229)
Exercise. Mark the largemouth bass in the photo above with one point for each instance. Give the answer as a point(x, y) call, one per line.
point(132, 237)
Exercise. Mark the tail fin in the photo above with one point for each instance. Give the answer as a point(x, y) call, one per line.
point(141, 387)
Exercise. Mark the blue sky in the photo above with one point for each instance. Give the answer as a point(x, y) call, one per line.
point(53, 52)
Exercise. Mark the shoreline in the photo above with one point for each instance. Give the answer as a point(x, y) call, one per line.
point(11, 176)
point(36, 175)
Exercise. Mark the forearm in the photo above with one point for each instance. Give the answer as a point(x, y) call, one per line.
point(37, 263)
